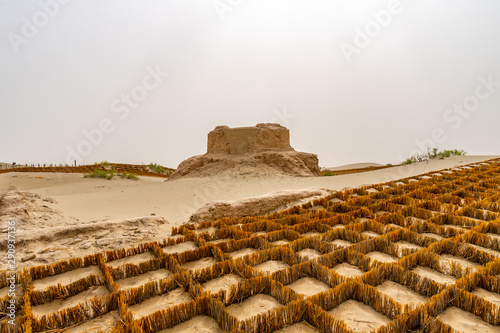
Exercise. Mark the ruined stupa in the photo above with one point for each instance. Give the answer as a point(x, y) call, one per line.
point(263, 149)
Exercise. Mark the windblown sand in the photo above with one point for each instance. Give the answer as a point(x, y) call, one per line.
point(66, 278)
point(347, 270)
point(200, 324)
point(60, 304)
point(434, 275)
point(359, 317)
point(308, 286)
point(271, 266)
point(65, 215)
point(174, 297)
point(253, 306)
point(465, 321)
point(401, 293)
point(136, 281)
point(224, 282)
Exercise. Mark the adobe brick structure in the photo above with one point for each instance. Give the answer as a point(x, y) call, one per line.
point(262, 149)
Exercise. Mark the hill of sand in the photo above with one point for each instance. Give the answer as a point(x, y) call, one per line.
point(65, 214)
point(353, 166)
point(397, 247)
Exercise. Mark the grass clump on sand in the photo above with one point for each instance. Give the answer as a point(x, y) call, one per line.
point(128, 175)
point(327, 173)
point(433, 154)
point(159, 169)
point(103, 163)
point(98, 173)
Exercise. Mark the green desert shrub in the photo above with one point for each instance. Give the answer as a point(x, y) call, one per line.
point(128, 175)
point(158, 168)
point(98, 173)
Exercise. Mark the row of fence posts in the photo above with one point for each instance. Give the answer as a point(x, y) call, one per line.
point(4, 166)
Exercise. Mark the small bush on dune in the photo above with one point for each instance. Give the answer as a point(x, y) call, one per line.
point(433, 154)
point(103, 163)
point(98, 173)
point(159, 169)
point(327, 173)
point(129, 175)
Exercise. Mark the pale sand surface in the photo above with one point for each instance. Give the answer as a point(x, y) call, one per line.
point(76, 216)
point(136, 259)
point(353, 166)
point(66, 278)
point(359, 317)
point(224, 282)
point(403, 245)
point(310, 234)
point(347, 270)
point(242, 253)
point(401, 294)
point(136, 281)
point(445, 260)
point(488, 295)
point(271, 266)
point(434, 275)
point(200, 264)
point(280, 242)
point(370, 234)
point(181, 247)
point(5, 291)
point(209, 230)
point(253, 306)
point(490, 251)
point(90, 199)
point(223, 240)
point(104, 323)
point(433, 236)
point(465, 321)
point(309, 253)
point(201, 324)
point(308, 286)
point(298, 328)
point(494, 236)
point(380, 256)
point(172, 298)
point(61, 304)
point(340, 243)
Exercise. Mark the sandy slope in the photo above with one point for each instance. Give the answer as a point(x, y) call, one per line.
point(353, 166)
point(63, 215)
point(98, 199)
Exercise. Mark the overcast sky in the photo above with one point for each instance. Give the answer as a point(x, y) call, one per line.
point(146, 80)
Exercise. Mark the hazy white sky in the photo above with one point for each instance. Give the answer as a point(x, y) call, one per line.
point(354, 81)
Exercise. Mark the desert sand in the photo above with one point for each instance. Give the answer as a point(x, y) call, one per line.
point(64, 215)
